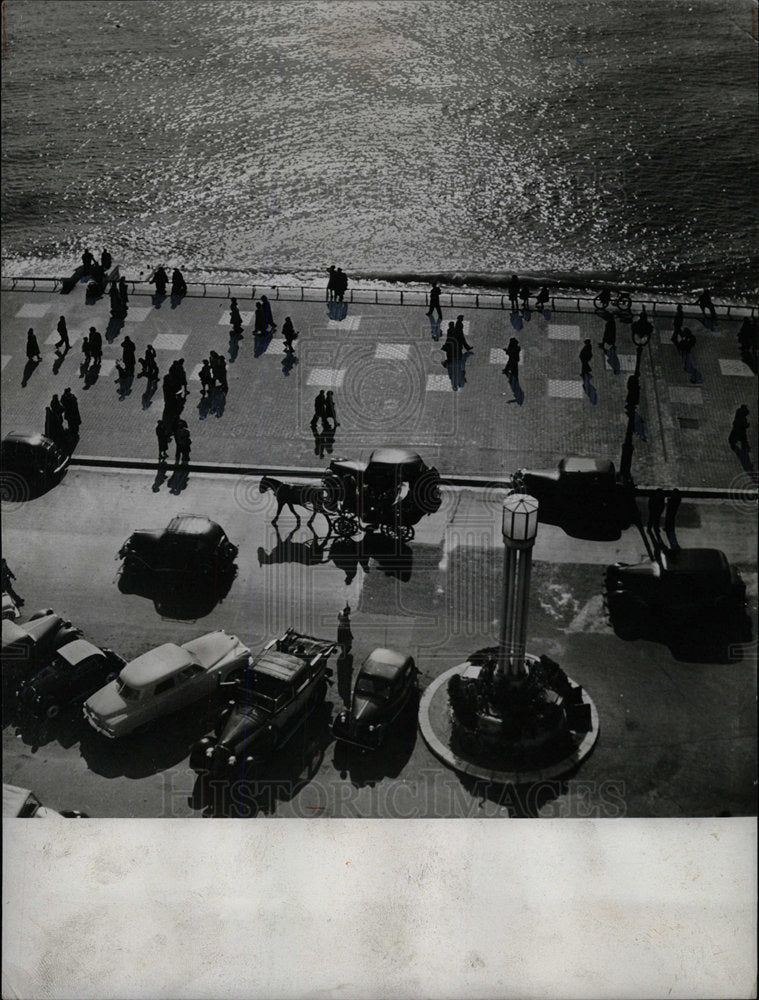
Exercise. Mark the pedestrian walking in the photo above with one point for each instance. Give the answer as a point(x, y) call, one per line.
point(128, 355)
point(288, 332)
point(183, 442)
point(57, 407)
point(63, 334)
point(178, 284)
point(258, 321)
point(87, 261)
point(543, 297)
point(738, 438)
point(514, 286)
point(8, 578)
point(86, 352)
point(673, 505)
point(235, 318)
point(123, 293)
point(105, 261)
point(344, 633)
point(160, 279)
point(524, 295)
point(341, 284)
point(32, 347)
point(206, 378)
point(149, 365)
point(219, 371)
point(459, 335)
point(117, 306)
point(268, 318)
point(677, 326)
point(330, 413)
point(513, 352)
point(656, 504)
point(331, 283)
point(320, 410)
point(71, 411)
point(164, 438)
point(586, 355)
point(687, 343)
point(609, 338)
point(435, 301)
point(704, 302)
point(54, 428)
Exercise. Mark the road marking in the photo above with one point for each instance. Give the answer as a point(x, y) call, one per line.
point(6, 359)
point(246, 317)
point(729, 366)
point(34, 310)
point(682, 394)
point(137, 314)
point(439, 383)
point(396, 352)
point(331, 378)
point(169, 341)
point(558, 332)
point(562, 389)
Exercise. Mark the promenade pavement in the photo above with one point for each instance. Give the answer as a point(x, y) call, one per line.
point(389, 384)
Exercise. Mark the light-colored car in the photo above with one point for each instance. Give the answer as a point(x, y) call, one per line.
point(21, 803)
point(164, 680)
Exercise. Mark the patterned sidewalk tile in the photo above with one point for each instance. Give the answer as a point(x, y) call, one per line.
point(562, 389)
point(34, 310)
point(396, 352)
point(170, 341)
point(729, 366)
point(138, 314)
point(684, 394)
point(557, 331)
point(246, 317)
point(55, 337)
point(330, 378)
point(6, 358)
point(349, 323)
point(439, 383)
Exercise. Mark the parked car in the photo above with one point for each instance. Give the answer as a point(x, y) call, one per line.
point(76, 671)
point(386, 683)
point(685, 586)
point(30, 462)
point(20, 803)
point(581, 494)
point(163, 680)
point(284, 684)
point(28, 647)
point(191, 544)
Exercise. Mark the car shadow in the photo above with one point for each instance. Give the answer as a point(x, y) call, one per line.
point(368, 767)
point(67, 729)
point(279, 779)
point(524, 801)
point(708, 639)
point(178, 597)
point(164, 743)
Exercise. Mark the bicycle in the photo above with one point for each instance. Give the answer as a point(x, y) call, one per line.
point(623, 302)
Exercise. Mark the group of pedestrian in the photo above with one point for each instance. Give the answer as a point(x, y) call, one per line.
point(165, 430)
point(92, 349)
point(149, 365)
point(213, 375)
point(337, 284)
point(520, 290)
point(324, 412)
point(56, 412)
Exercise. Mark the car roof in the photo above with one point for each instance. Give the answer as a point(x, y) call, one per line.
point(34, 439)
point(692, 561)
point(394, 456)
point(575, 464)
point(283, 666)
point(385, 663)
point(193, 524)
point(155, 665)
point(78, 650)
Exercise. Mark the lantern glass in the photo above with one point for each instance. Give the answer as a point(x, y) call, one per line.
point(520, 517)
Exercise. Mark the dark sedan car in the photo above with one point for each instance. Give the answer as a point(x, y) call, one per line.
point(76, 671)
point(192, 544)
point(28, 647)
point(685, 586)
point(31, 463)
point(386, 683)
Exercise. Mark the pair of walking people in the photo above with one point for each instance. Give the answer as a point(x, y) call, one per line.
point(325, 411)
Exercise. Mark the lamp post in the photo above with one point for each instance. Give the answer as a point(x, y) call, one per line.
point(641, 334)
point(519, 529)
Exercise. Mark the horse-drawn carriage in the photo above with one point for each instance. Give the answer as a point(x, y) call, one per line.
point(391, 493)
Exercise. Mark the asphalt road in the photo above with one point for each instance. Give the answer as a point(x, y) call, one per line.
point(678, 727)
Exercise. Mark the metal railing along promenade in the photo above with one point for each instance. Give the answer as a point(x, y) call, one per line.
point(559, 302)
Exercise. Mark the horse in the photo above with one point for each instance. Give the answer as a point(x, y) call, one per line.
point(295, 495)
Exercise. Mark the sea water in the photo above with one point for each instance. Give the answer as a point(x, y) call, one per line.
point(600, 140)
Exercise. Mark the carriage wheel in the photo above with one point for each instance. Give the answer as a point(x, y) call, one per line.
point(346, 525)
point(407, 532)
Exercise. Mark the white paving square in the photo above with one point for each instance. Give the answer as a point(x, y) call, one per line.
point(55, 337)
point(498, 356)
point(34, 310)
point(439, 383)
point(194, 375)
point(6, 359)
point(330, 378)
point(626, 362)
point(107, 365)
point(276, 347)
point(137, 314)
point(730, 366)
point(170, 341)
point(685, 394)
point(349, 323)
point(557, 331)
point(562, 389)
point(396, 352)
point(246, 317)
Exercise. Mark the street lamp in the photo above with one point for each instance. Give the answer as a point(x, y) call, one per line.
point(519, 529)
point(641, 334)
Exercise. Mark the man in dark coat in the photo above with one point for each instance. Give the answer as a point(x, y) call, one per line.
point(514, 286)
point(586, 355)
point(739, 432)
point(435, 301)
point(128, 356)
point(32, 347)
point(71, 410)
point(513, 352)
point(96, 345)
point(164, 438)
point(320, 410)
point(63, 334)
point(183, 442)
